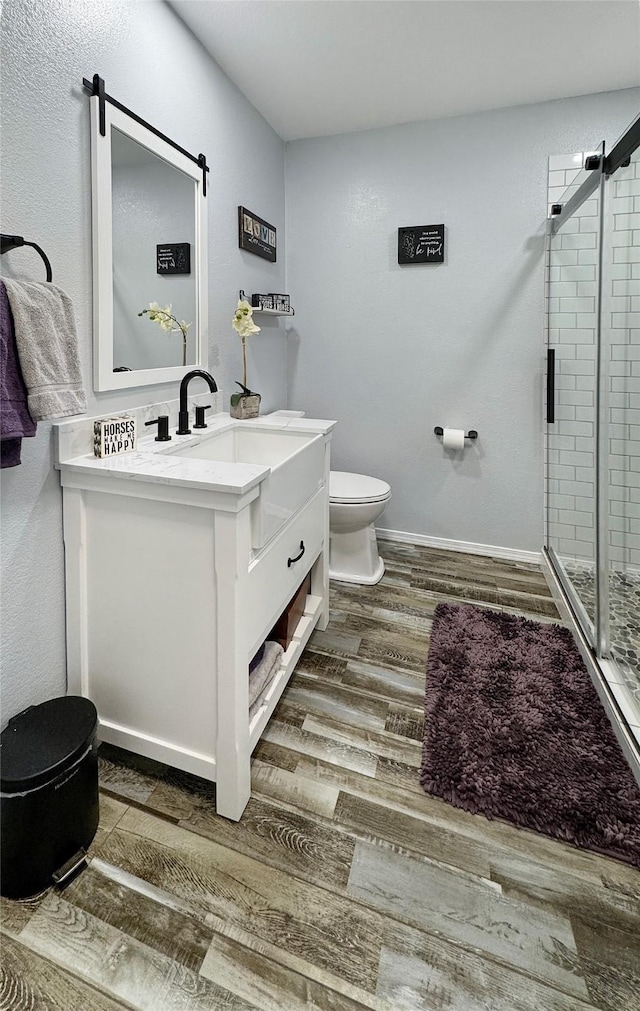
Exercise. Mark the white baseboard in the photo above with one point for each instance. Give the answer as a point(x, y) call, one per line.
point(444, 544)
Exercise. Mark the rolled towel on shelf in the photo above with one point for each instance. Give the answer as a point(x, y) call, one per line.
point(47, 343)
point(264, 673)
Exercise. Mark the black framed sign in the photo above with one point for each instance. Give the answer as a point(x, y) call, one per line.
point(421, 244)
point(256, 235)
point(173, 258)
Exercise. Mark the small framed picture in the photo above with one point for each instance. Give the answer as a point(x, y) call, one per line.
point(421, 244)
point(173, 258)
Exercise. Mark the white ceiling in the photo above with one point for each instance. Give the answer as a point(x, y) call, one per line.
point(319, 67)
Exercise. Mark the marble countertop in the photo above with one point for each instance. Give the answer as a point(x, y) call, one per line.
point(157, 461)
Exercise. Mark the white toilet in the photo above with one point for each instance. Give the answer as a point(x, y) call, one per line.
point(355, 503)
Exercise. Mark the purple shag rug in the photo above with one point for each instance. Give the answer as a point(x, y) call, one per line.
point(514, 729)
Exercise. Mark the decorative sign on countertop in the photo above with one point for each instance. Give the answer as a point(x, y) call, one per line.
point(256, 235)
point(173, 258)
point(112, 436)
point(421, 244)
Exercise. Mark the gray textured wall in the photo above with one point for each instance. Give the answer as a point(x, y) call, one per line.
point(152, 64)
point(392, 351)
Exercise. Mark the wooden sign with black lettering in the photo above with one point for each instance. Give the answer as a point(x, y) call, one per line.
point(113, 436)
point(421, 244)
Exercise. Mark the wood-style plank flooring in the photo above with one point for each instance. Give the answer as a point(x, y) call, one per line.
point(344, 886)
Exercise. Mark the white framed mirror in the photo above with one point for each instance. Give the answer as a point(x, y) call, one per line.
point(149, 228)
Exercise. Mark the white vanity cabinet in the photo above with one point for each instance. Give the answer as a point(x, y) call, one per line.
point(168, 596)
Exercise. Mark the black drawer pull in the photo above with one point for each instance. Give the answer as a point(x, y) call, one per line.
point(290, 561)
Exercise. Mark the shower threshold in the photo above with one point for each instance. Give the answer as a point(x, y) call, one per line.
point(624, 617)
point(617, 680)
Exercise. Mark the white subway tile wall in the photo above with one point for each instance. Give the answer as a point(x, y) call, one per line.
point(563, 171)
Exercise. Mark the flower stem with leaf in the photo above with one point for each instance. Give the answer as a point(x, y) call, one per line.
point(244, 326)
point(165, 319)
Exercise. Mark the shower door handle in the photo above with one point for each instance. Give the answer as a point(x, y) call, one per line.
point(551, 386)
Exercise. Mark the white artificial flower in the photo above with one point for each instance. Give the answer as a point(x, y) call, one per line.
point(243, 320)
point(165, 318)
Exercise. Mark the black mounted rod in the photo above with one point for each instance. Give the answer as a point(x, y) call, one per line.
point(471, 434)
point(96, 87)
point(623, 149)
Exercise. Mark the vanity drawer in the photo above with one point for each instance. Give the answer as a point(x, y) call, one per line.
point(276, 575)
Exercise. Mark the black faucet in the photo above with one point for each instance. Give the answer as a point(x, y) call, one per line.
point(183, 416)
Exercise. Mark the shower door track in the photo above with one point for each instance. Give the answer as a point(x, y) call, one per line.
point(598, 668)
point(587, 625)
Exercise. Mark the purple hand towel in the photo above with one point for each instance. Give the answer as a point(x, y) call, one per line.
point(16, 423)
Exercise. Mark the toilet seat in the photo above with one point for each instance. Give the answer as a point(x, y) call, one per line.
point(345, 487)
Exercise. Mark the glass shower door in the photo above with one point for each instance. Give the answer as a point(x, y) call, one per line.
point(621, 368)
point(593, 419)
point(573, 313)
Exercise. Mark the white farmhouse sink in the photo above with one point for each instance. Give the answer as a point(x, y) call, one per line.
point(248, 445)
point(296, 460)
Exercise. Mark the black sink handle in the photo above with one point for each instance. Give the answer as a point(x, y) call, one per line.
point(290, 561)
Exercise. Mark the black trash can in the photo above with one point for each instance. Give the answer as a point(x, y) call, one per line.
point(48, 794)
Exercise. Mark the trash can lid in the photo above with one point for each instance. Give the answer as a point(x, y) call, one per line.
point(42, 741)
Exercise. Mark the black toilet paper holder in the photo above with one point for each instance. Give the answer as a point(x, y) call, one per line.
point(472, 434)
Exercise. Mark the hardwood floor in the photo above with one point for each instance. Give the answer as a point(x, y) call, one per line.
point(344, 886)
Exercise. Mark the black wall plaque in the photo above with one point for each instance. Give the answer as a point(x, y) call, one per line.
point(256, 235)
point(421, 244)
point(174, 258)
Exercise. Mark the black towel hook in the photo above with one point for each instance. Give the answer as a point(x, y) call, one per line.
point(8, 242)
